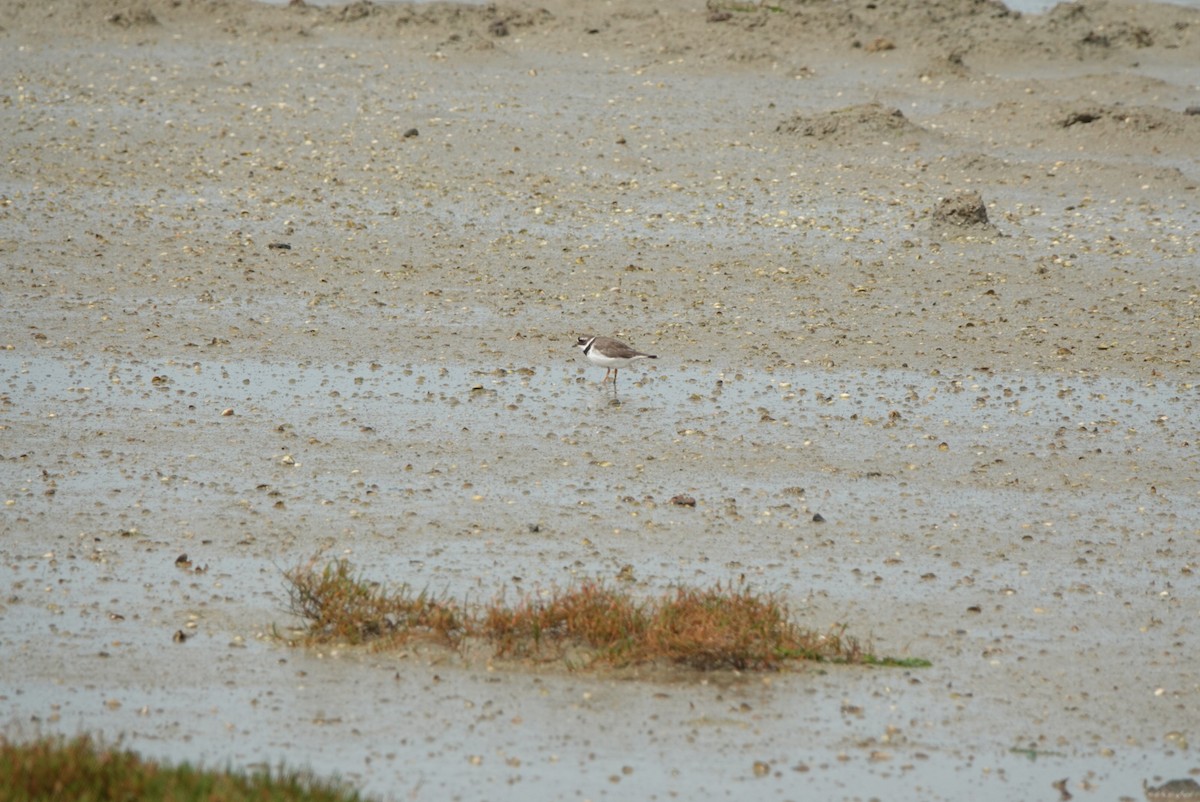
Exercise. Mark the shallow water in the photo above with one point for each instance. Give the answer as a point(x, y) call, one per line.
point(468, 481)
point(415, 726)
point(400, 439)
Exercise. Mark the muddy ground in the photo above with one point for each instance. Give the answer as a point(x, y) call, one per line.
point(922, 279)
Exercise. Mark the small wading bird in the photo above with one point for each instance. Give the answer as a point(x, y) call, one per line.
point(609, 353)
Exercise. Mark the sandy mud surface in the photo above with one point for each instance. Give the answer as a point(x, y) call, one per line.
point(922, 278)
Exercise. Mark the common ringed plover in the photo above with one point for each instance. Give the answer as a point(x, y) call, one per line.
point(610, 354)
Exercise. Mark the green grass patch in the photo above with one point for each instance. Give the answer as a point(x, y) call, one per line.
point(722, 627)
point(85, 770)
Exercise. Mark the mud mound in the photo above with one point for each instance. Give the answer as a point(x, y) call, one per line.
point(868, 123)
point(952, 65)
point(496, 20)
point(979, 30)
point(964, 210)
point(133, 18)
point(1088, 30)
point(962, 215)
point(1096, 27)
point(986, 29)
point(1141, 119)
point(252, 18)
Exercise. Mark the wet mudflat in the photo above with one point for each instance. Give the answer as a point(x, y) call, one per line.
point(454, 479)
point(285, 282)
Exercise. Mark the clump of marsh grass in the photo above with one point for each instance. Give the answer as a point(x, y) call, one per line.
point(727, 627)
point(52, 768)
point(605, 620)
point(722, 627)
point(340, 605)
